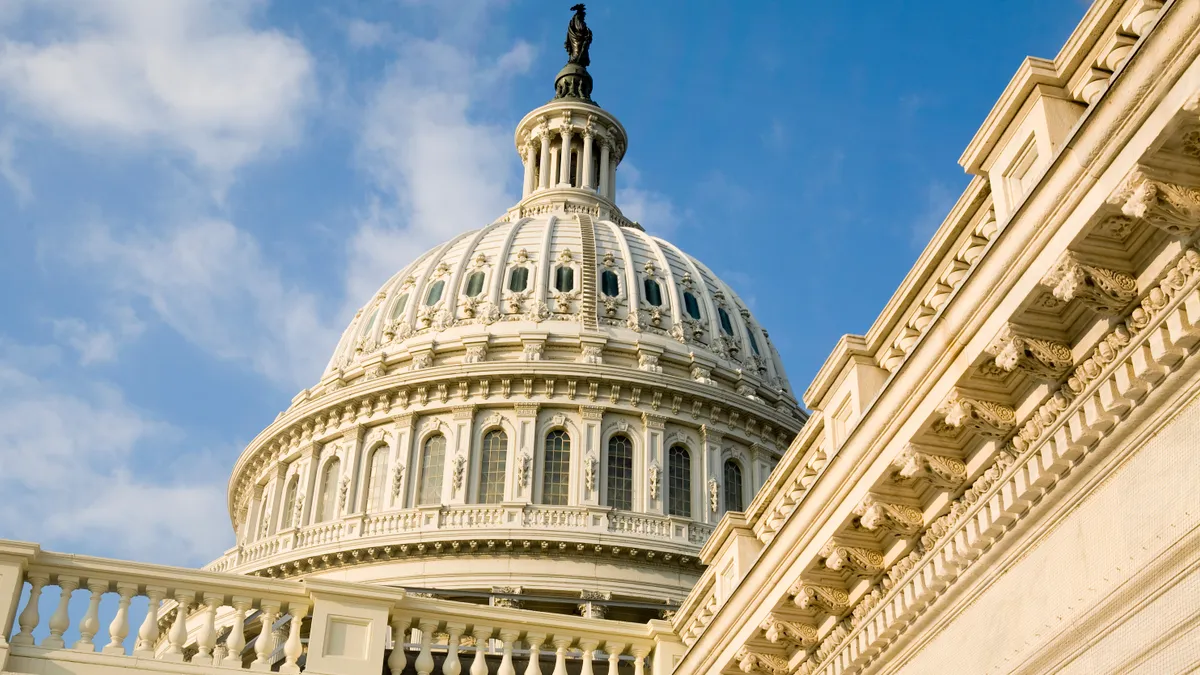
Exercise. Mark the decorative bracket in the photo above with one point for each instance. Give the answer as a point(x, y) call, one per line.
point(1103, 290)
point(1014, 349)
point(986, 418)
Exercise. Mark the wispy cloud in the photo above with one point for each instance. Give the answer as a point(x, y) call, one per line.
point(17, 181)
point(98, 343)
point(192, 75)
point(73, 468)
point(653, 210)
point(427, 142)
point(211, 283)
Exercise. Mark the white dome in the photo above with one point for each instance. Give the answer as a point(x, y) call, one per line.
point(493, 283)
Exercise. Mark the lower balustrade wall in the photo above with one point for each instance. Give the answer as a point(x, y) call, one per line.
point(232, 622)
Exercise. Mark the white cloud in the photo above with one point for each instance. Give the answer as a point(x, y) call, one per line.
point(210, 282)
point(938, 202)
point(98, 344)
point(441, 169)
point(365, 34)
point(70, 471)
point(652, 210)
point(17, 181)
point(190, 74)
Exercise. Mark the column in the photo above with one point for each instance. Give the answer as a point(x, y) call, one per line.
point(589, 455)
point(587, 180)
point(711, 469)
point(527, 186)
point(612, 181)
point(564, 171)
point(401, 451)
point(525, 448)
point(544, 162)
point(354, 467)
point(555, 163)
point(654, 463)
point(308, 485)
point(605, 150)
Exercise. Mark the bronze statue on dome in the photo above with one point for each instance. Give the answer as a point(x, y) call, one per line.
point(579, 38)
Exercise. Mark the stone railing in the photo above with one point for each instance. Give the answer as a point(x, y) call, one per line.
point(478, 523)
point(234, 622)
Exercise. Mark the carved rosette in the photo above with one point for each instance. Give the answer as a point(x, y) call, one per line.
point(827, 599)
point(765, 664)
point(857, 560)
point(793, 633)
point(1103, 290)
point(986, 418)
point(1170, 207)
point(900, 518)
point(939, 471)
point(1040, 357)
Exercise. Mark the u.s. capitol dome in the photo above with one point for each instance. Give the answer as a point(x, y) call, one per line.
point(552, 409)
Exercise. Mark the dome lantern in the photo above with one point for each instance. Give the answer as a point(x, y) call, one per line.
point(570, 147)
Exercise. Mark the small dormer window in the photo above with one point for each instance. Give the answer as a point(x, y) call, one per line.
point(518, 280)
point(474, 284)
point(726, 325)
point(690, 305)
point(610, 285)
point(753, 343)
point(435, 293)
point(653, 292)
point(564, 279)
point(398, 308)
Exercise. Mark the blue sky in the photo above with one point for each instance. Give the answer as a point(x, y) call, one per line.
point(197, 194)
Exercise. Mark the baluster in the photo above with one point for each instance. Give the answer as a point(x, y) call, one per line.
point(236, 642)
point(639, 660)
point(479, 664)
point(507, 638)
point(589, 652)
point(119, 628)
point(561, 644)
point(177, 634)
point(265, 644)
point(535, 641)
point(614, 656)
point(60, 621)
point(451, 664)
point(90, 625)
point(424, 662)
point(292, 648)
point(148, 631)
point(397, 660)
point(30, 618)
point(206, 639)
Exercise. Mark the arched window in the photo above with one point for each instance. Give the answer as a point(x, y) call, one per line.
point(398, 308)
point(679, 482)
point(433, 460)
point(556, 468)
point(733, 486)
point(492, 459)
point(369, 324)
point(518, 279)
point(289, 504)
point(474, 284)
point(726, 325)
point(377, 480)
point(327, 507)
point(753, 342)
point(619, 472)
point(610, 285)
point(653, 292)
point(690, 305)
point(435, 293)
point(564, 279)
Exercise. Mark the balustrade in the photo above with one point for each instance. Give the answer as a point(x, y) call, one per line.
point(464, 517)
point(206, 619)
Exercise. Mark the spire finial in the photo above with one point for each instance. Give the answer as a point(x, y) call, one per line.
point(574, 81)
